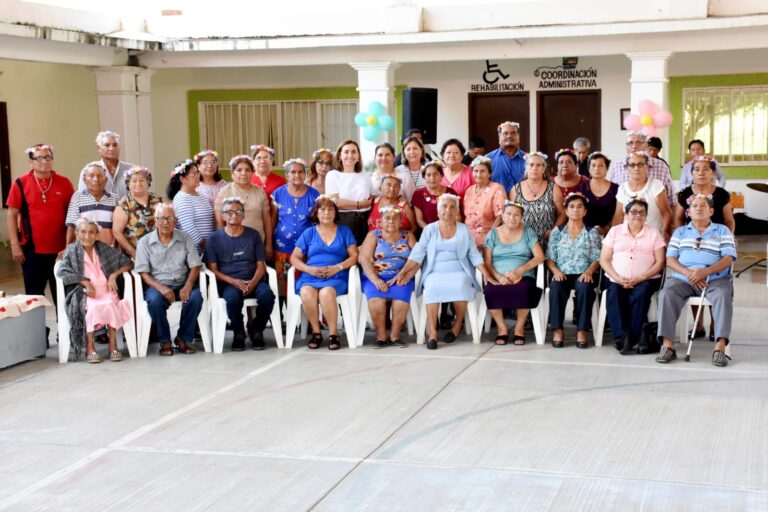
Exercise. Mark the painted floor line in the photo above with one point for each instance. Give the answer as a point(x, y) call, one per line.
point(244, 454)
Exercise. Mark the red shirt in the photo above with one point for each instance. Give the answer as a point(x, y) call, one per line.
point(273, 181)
point(427, 203)
point(374, 219)
point(45, 217)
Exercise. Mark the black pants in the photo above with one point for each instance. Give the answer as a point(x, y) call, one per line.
point(357, 222)
point(38, 271)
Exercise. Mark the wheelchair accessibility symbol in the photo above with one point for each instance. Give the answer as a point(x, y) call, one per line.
point(492, 70)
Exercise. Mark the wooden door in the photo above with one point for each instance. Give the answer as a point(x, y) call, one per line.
point(5, 153)
point(565, 115)
point(488, 110)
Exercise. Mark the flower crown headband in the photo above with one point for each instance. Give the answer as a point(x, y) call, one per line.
point(86, 220)
point(239, 157)
point(539, 154)
point(159, 207)
point(596, 154)
point(204, 153)
point(703, 158)
point(481, 160)
point(510, 123)
point(288, 163)
point(255, 148)
point(708, 197)
point(138, 169)
point(318, 152)
point(183, 167)
point(42, 147)
point(515, 204)
point(325, 197)
point(387, 209)
point(434, 163)
point(564, 151)
point(576, 194)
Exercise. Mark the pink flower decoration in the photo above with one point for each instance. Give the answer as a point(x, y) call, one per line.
point(649, 118)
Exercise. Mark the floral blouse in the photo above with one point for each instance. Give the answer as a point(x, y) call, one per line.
point(141, 218)
point(573, 256)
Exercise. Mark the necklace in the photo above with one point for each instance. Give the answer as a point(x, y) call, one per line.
point(536, 192)
point(42, 192)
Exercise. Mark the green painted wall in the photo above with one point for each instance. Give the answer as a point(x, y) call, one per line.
point(676, 144)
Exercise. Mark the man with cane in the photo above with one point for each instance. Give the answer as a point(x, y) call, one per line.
point(699, 258)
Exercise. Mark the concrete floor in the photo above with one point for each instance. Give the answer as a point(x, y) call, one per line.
point(468, 427)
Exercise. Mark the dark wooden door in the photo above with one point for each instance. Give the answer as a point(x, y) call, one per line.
point(565, 115)
point(488, 110)
point(5, 153)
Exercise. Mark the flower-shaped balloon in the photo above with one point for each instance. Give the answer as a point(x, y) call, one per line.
point(649, 118)
point(374, 122)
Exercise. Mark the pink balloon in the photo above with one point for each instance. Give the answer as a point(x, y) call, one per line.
point(662, 119)
point(632, 122)
point(650, 130)
point(647, 108)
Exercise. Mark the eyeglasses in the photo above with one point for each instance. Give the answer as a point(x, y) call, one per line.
point(697, 245)
point(324, 162)
point(43, 158)
point(166, 219)
point(637, 166)
point(235, 213)
point(637, 213)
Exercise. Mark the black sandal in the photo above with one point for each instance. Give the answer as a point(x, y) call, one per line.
point(379, 343)
point(518, 340)
point(333, 342)
point(557, 343)
point(315, 341)
point(581, 344)
point(502, 340)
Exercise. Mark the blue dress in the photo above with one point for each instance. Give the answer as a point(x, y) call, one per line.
point(318, 254)
point(388, 260)
point(292, 216)
point(448, 282)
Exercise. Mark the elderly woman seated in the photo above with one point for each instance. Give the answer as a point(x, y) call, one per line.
point(632, 258)
point(699, 256)
point(324, 254)
point(89, 270)
point(573, 256)
point(382, 255)
point(448, 257)
point(512, 252)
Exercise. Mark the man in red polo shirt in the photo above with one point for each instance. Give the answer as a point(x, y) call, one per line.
point(37, 206)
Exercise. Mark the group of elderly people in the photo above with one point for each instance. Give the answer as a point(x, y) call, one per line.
point(499, 217)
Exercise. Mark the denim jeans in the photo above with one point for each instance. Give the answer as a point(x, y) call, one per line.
point(158, 306)
point(559, 291)
point(235, 298)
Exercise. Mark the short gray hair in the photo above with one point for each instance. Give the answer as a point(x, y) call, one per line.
point(232, 200)
point(445, 197)
point(582, 142)
point(638, 133)
point(107, 133)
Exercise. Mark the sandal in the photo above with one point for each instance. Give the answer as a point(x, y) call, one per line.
point(315, 342)
point(581, 344)
point(379, 343)
point(666, 355)
point(502, 340)
point(166, 349)
point(557, 343)
point(115, 356)
point(719, 358)
point(333, 342)
point(93, 357)
point(518, 340)
point(183, 347)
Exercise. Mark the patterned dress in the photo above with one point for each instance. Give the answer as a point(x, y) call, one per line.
point(540, 214)
point(141, 218)
point(388, 260)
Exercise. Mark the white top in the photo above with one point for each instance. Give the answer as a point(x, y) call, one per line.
point(652, 188)
point(407, 186)
point(352, 186)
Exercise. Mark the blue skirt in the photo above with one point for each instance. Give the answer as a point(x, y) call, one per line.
point(395, 292)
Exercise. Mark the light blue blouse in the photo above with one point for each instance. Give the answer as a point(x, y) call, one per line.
point(573, 256)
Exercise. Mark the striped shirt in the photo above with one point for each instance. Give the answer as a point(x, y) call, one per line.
point(656, 169)
point(83, 204)
point(195, 216)
point(696, 250)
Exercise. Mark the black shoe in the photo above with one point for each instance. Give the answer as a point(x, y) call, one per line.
point(432, 345)
point(238, 343)
point(628, 347)
point(449, 337)
point(643, 349)
point(398, 343)
point(618, 343)
point(712, 337)
point(697, 334)
point(257, 340)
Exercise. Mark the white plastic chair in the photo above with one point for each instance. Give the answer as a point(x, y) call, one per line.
point(599, 327)
point(538, 314)
point(471, 324)
point(365, 313)
point(218, 309)
point(128, 337)
point(144, 321)
point(348, 304)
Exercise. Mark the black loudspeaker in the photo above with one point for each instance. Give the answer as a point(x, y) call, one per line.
point(420, 111)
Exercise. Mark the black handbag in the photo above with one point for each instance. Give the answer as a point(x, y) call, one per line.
point(649, 337)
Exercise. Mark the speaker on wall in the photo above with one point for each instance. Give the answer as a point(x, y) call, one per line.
point(420, 111)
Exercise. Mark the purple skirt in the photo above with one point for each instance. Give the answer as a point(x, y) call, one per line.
point(523, 295)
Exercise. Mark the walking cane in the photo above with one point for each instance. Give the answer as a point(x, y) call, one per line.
point(696, 321)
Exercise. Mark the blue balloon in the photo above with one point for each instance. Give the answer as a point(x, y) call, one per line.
point(386, 122)
point(360, 119)
point(376, 108)
point(372, 133)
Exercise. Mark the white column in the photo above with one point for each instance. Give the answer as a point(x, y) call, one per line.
point(650, 81)
point(124, 99)
point(375, 82)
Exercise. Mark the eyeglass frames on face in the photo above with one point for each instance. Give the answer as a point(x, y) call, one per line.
point(233, 213)
point(47, 158)
point(637, 166)
point(637, 213)
point(166, 219)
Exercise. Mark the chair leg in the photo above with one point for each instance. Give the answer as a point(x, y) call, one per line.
point(600, 326)
point(473, 322)
point(204, 323)
point(347, 312)
point(293, 314)
point(538, 333)
point(219, 325)
point(277, 324)
point(421, 323)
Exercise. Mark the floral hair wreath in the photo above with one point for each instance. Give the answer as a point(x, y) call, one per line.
point(204, 153)
point(708, 197)
point(539, 154)
point(85, 220)
point(99, 164)
point(516, 204)
point(239, 157)
point(319, 151)
point(183, 167)
point(42, 147)
point(255, 148)
point(387, 209)
point(564, 151)
point(138, 169)
point(703, 158)
point(298, 160)
point(481, 160)
point(160, 206)
point(576, 194)
point(596, 154)
point(325, 197)
point(510, 123)
point(433, 163)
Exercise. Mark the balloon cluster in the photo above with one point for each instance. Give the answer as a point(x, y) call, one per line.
point(649, 118)
point(374, 122)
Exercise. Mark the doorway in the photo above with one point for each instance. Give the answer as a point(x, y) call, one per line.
point(489, 110)
point(565, 115)
point(5, 153)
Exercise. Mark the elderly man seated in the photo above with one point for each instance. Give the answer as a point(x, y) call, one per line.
point(235, 254)
point(169, 266)
point(699, 256)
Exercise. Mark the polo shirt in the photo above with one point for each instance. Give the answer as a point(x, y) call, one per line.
point(694, 250)
point(633, 255)
point(507, 170)
point(168, 264)
point(83, 204)
point(115, 183)
point(47, 217)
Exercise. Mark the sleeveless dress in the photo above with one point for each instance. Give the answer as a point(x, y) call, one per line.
point(388, 260)
point(447, 282)
point(540, 214)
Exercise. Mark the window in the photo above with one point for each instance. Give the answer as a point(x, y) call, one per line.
point(732, 122)
point(293, 128)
